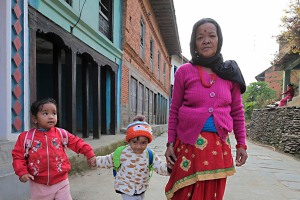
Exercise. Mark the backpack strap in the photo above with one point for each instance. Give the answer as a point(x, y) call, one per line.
point(150, 156)
point(64, 136)
point(150, 159)
point(28, 141)
point(116, 159)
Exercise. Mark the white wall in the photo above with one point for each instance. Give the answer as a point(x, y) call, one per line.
point(176, 60)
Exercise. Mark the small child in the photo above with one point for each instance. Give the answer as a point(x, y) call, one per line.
point(46, 166)
point(132, 178)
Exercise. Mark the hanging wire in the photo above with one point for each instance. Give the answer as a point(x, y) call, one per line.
point(72, 27)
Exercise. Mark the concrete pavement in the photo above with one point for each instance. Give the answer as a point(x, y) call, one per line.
point(267, 175)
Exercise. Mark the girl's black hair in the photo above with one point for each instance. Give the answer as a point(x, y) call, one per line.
point(38, 105)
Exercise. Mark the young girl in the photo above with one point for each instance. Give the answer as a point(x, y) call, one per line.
point(46, 166)
point(132, 177)
point(289, 95)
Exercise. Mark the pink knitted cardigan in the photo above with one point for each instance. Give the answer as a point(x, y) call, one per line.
point(192, 104)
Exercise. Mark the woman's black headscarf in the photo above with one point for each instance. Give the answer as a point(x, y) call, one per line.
point(228, 70)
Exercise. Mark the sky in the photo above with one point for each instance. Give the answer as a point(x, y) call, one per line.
point(248, 27)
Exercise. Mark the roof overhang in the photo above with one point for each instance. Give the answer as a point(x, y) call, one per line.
point(165, 15)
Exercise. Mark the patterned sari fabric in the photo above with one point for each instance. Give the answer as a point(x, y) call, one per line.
point(201, 170)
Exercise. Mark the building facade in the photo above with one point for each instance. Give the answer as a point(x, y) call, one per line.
point(176, 60)
point(284, 70)
point(64, 49)
point(103, 61)
point(150, 37)
point(273, 79)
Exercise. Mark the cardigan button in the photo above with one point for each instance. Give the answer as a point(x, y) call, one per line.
point(210, 109)
point(212, 94)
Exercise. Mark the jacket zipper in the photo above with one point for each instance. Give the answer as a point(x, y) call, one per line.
point(47, 159)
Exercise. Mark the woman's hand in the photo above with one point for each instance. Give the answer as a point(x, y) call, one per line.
point(241, 156)
point(26, 177)
point(170, 155)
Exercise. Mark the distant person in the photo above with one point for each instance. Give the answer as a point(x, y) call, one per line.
point(206, 106)
point(289, 95)
point(39, 154)
point(133, 175)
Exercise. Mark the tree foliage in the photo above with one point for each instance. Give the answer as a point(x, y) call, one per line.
point(291, 25)
point(257, 95)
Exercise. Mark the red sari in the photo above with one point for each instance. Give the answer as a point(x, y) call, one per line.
point(200, 170)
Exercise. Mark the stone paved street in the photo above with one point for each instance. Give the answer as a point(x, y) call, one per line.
point(268, 175)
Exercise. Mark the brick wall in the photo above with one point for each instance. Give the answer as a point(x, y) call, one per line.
point(133, 64)
point(124, 85)
point(274, 80)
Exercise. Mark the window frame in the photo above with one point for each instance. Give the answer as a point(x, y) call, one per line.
point(108, 6)
point(133, 95)
point(151, 54)
point(140, 98)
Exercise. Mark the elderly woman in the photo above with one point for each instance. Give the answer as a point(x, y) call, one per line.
point(206, 107)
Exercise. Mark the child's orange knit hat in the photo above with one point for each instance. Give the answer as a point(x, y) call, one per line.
point(138, 128)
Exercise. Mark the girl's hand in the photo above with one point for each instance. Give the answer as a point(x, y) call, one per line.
point(92, 161)
point(241, 156)
point(26, 177)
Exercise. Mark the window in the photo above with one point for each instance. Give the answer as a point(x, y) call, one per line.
point(159, 109)
point(155, 104)
point(140, 98)
point(150, 113)
point(171, 93)
point(158, 65)
point(133, 95)
point(142, 38)
point(105, 18)
point(150, 103)
point(164, 74)
point(146, 107)
point(69, 2)
point(175, 68)
point(151, 54)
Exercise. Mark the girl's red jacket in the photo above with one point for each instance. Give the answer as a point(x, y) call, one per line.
point(48, 161)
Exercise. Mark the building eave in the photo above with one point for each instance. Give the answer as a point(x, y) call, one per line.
point(165, 15)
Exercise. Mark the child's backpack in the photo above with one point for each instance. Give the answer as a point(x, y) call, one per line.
point(30, 136)
point(117, 162)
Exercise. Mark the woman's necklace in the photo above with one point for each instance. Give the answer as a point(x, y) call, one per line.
point(213, 78)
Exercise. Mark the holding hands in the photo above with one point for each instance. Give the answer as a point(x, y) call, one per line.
point(170, 155)
point(92, 161)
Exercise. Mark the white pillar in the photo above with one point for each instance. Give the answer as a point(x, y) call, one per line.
point(5, 69)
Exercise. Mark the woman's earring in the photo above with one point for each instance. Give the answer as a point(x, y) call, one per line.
point(196, 53)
